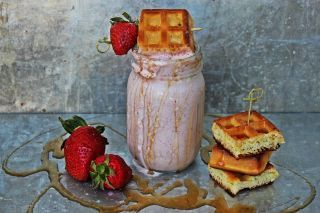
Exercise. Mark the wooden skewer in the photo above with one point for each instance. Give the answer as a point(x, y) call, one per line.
point(196, 29)
point(254, 95)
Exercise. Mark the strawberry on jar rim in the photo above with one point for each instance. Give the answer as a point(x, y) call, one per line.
point(110, 172)
point(83, 145)
point(123, 34)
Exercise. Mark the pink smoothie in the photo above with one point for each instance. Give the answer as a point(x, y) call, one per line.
point(165, 108)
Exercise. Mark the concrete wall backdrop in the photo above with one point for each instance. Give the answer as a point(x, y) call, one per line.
point(48, 60)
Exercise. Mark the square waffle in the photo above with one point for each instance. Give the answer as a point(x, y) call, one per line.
point(165, 30)
point(243, 140)
point(222, 159)
point(234, 182)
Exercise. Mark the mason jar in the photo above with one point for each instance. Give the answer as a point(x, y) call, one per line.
point(165, 109)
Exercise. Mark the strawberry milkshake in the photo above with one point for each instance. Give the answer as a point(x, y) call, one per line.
point(165, 107)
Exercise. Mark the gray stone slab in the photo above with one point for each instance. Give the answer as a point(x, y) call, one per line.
point(299, 153)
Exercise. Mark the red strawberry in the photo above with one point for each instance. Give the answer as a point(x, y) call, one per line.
point(83, 145)
point(123, 37)
point(123, 34)
point(110, 172)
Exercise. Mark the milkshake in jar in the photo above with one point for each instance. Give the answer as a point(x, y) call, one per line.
point(165, 99)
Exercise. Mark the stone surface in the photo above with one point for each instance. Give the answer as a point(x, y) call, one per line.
point(300, 153)
point(48, 60)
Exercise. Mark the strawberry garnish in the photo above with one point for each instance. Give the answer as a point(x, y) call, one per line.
point(110, 172)
point(123, 37)
point(123, 34)
point(84, 144)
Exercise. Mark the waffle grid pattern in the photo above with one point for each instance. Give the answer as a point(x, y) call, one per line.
point(164, 29)
point(237, 127)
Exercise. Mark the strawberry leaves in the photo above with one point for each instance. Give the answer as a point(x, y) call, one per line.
point(80, 120)
point(100, 129)
point(71, 124)
point(76, 121)
point(116, 20)
point(127, 18)
point(99, 174)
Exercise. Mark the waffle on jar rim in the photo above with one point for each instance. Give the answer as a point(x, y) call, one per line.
point(222, 159)
point(166, 31)
point(243, 140)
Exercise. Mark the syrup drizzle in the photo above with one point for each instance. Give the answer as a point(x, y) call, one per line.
point(144, 195)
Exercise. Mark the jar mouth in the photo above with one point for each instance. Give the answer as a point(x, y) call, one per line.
point(160, 68)
point(171, 58)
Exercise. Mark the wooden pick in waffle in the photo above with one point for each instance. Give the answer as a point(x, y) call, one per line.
point(165, 30)
point(242, 139)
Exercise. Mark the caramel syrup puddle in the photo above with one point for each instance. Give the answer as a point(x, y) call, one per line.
point(136, 199)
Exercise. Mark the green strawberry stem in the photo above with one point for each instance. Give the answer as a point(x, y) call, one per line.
point(71, 124)
point(76, 121)
point(100, 129)
point(116, 20)
point(80, 120)
point(99, 174)
point(127, 16)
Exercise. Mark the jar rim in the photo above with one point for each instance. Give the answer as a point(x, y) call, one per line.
point(169, 60)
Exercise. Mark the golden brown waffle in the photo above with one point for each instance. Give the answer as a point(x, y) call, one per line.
point(241, 139)
point(222, 159)
point(234, 182)
point(165, 30)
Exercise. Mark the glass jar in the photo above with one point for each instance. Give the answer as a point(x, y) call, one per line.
point(165, 109)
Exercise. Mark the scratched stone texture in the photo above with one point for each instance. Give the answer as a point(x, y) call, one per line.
point(48, 61)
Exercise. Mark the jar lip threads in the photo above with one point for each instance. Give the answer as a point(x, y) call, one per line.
point(168, 58)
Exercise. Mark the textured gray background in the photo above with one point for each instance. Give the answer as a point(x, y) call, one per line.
point(48, 60)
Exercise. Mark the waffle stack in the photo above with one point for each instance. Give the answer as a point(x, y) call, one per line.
point(240, 159)
point(165, 31)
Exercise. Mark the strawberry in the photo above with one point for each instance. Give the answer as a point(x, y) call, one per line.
point(123, 35)
point(84, 144)
point(110, 172)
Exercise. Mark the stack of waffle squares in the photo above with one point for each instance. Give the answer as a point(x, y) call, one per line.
point(240, 159)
